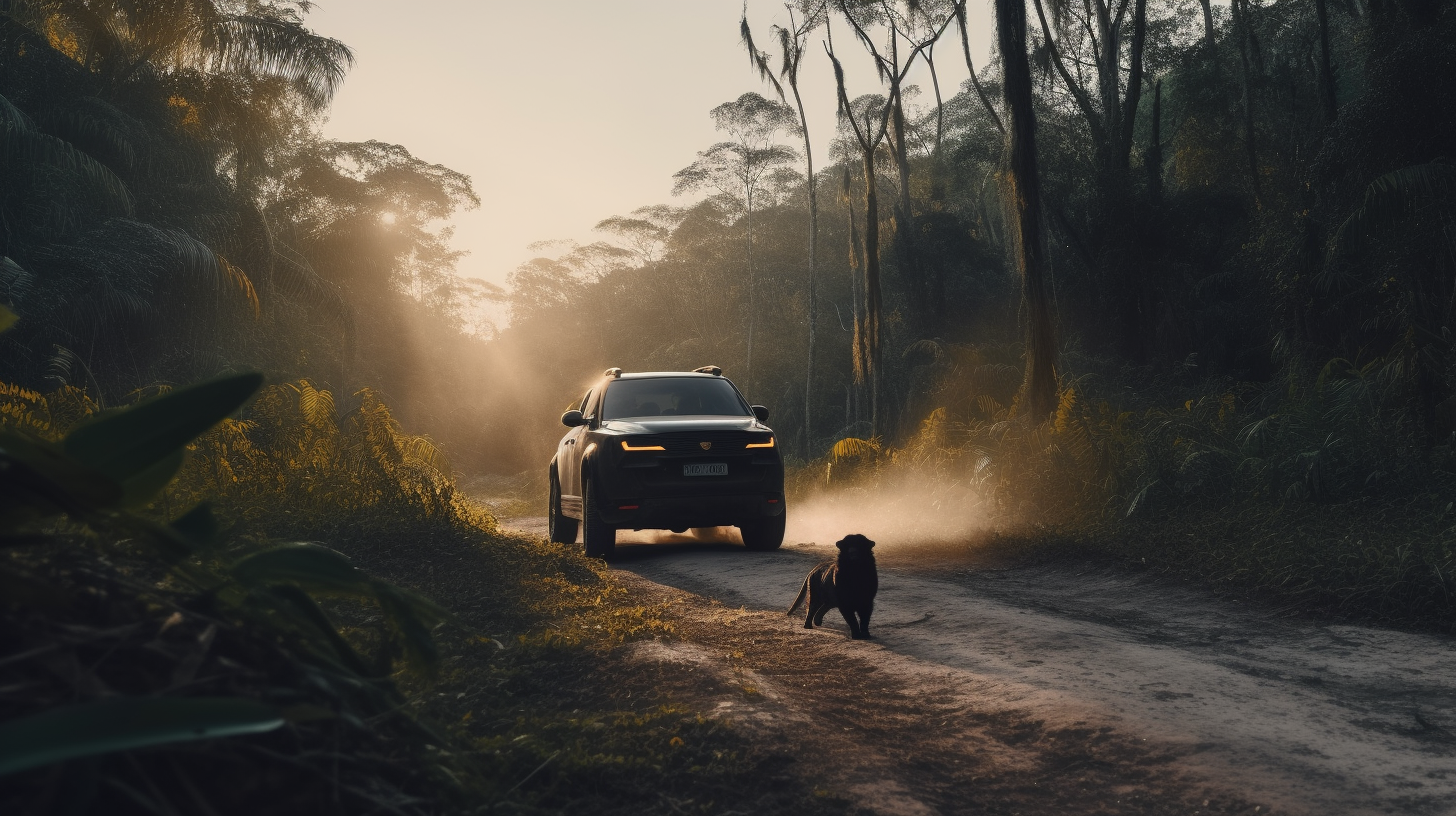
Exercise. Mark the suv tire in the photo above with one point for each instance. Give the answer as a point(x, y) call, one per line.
point(560, 527)
point(764, 534)
point(599, 537)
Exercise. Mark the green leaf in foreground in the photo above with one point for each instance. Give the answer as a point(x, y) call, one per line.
point(126, 444)
point(124, 724)
point(313, 567)
point(66, 480)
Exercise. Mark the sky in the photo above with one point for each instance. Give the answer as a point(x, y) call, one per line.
point(568, 112)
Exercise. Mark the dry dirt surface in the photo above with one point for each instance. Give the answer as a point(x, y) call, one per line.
point(1051, 689)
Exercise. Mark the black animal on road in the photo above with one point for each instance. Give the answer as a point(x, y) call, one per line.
point(849, 582)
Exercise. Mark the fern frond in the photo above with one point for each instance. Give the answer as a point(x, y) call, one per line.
point(854, 447)
point(15, 282)
point(238, 278)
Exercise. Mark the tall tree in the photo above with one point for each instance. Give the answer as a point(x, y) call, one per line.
point(960, 13)
point(1328, 92)
point(1094, 34)
point(868, 120)
point(917, 30)
point(1243, 31)
point(1209, 41)
point(740, 171)
point(792, 41)
point(1039, 387)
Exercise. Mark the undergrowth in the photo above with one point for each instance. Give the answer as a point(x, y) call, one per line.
point(1324, 488)
point(497, 694)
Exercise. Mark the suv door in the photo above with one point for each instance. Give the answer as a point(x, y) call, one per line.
point(568, 462)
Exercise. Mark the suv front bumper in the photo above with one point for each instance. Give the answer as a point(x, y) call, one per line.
point(679, 512)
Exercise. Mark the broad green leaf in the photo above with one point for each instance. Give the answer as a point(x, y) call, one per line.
point(419, 644)
point(162, 539)
point(307, 610)
point(123, 724)
point(310, 566)
point(123, 444)
point(75, 480)
point(139, 490)
point(197, 525)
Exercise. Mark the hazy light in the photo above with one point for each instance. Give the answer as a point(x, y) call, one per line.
point(603, 109)
point(387, 219)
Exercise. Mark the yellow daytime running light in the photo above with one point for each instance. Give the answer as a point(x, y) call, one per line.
point(625, 446)
point(768, 444)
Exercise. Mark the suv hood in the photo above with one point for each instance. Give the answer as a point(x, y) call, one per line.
point(684, 423)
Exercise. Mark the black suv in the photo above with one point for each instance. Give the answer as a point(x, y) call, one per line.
point(666, 451)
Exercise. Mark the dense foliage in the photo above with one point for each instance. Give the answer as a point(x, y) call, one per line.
point(169, 210)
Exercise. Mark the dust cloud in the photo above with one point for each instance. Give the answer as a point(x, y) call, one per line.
point(900, 510)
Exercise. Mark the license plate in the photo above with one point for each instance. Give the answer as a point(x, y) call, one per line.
point(713, 469)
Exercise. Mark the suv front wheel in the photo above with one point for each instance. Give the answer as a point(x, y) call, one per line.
point(561, 527)
point(599, 537)
point(764, 534)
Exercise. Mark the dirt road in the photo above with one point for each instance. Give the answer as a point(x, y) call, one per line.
point(1049, 689)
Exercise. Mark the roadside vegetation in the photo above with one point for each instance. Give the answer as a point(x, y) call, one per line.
point(142, 616)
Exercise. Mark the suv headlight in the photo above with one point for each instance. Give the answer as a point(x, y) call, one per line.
point(627, 446)
point(768, 444)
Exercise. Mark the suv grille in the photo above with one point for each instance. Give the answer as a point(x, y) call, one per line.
point(687, 441)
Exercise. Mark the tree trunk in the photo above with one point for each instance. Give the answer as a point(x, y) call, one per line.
point(858, 354)
point(1208, 32)
point(1134, 84)
point(1241, 28)
point(752, 310)
point(904, 217)
point(1039, 388)
point(1328, 92)
point(960, 10)
point(813, 282)
point(872, 294)
point(1153, 161)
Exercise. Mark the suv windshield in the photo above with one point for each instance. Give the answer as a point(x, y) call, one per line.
point(672, 396)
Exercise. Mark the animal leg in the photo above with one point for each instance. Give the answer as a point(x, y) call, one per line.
point(848, 614)
point(864, 619)
point(819, 616)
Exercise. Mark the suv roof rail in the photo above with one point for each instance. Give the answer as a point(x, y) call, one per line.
point(714, 370)
point(614, 373)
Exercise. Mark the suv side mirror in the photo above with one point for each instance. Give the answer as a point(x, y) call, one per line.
point(761, 412)
point(572, 419)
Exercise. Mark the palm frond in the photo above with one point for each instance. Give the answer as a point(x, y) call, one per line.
point(23, 149)
point(1395, 198)
point(269, 45)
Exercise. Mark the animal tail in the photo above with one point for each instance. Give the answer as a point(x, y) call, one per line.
point(803, 590)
